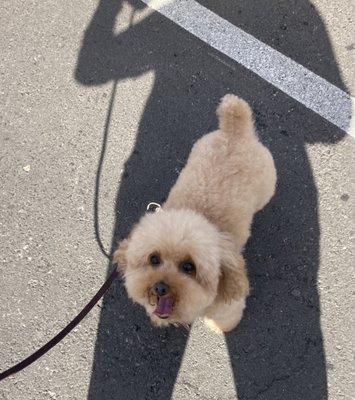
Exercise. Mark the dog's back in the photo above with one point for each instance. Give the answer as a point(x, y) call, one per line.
point(229, 175)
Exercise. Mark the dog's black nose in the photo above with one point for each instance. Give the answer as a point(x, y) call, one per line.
point(161, 288)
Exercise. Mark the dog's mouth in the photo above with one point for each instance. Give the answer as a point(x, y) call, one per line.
point(164, 307)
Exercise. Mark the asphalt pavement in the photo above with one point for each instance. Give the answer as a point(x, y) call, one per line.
point(100, 103)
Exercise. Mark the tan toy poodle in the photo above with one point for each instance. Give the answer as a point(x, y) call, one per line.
point(185, 261)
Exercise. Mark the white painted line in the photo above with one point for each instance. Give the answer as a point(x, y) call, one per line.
point(298, 82)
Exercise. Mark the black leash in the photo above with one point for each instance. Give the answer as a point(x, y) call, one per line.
point(72, 324)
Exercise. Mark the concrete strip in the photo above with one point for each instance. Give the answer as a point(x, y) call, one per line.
point(303, 85)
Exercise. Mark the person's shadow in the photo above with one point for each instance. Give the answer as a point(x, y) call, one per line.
point(277, 350)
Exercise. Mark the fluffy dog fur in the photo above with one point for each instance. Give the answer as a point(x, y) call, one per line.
point(205, 222)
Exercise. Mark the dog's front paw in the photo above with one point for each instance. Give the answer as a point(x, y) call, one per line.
point(218, 327)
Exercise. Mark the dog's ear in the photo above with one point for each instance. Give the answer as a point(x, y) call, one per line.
point(119, 256)
point(233, 281)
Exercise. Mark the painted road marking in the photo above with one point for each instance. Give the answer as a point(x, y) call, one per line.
point(311, 90)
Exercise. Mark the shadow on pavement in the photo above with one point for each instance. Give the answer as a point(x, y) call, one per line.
point(277, 351)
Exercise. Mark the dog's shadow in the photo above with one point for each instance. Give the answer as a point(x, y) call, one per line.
point(277, 351)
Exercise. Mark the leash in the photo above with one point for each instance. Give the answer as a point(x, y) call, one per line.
point(103, 289)
point(64, 332)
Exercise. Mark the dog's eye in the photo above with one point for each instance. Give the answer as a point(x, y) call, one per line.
point(154, 260)
point(188, 267)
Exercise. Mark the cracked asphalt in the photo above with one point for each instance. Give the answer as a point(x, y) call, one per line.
point(100, 103)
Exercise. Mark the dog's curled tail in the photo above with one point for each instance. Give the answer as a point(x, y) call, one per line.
point(235, 116)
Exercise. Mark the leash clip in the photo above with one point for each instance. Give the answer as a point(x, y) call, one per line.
point(153, 207)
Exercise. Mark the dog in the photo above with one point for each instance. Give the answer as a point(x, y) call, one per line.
point(185, 261)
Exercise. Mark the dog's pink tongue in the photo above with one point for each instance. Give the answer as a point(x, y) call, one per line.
point(164, 307)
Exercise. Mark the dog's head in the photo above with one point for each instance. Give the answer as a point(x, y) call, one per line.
point(175, 263)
